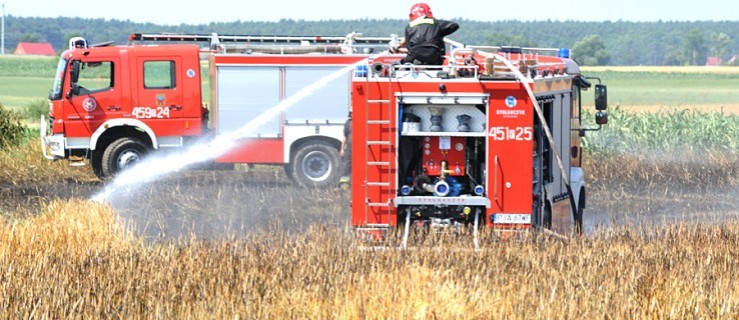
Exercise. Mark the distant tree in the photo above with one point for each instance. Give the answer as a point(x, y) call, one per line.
point(29, 37)
point(591, 51)
point(672, 57)
point(694, 48)
point(502, 39)
point(721, 43)
point(71, 34)
point(628, 43)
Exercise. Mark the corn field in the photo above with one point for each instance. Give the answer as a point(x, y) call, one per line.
point(665, 131)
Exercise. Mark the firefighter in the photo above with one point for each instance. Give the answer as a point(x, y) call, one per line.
point(424, 37)
point(346, 155)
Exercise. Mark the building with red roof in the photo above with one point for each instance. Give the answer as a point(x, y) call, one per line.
point(35, 48)
point(713, 61)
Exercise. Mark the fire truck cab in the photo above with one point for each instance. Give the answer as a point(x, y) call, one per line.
point(111, 105)
point(489, 138)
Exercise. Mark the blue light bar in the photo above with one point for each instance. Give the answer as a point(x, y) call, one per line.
point(564, 53)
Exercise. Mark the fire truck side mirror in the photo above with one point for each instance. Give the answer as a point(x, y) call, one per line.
point(601, 118)
point(74, 71)
point(74, 74)
point(601, 97)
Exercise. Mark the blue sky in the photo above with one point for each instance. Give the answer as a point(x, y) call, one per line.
point(173, 12)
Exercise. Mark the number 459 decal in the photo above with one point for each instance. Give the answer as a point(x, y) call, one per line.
point(515, 134)
point(149, 113)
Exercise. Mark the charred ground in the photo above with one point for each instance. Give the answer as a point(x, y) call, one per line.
point(628, 190)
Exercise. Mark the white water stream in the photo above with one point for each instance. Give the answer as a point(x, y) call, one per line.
point(153, 167)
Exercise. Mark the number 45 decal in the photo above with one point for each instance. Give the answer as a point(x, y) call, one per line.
point(515, 134)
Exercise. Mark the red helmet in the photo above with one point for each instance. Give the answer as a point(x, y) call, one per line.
point(420, 10)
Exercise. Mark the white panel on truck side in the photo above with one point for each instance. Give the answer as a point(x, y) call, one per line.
point(329, 103)
point(244, 92)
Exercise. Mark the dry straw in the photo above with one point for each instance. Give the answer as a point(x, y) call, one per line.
point(73, 261)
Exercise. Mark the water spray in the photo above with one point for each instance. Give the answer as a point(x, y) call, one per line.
point(154, 167)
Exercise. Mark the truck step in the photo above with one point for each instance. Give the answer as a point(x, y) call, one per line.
point(378, 101)
point(378, 163)
point(77, 161)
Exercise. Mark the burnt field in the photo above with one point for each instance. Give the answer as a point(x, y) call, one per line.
point(629, 190)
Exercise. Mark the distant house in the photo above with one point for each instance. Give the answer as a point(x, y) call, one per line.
point(713, 61)
point(35, 48)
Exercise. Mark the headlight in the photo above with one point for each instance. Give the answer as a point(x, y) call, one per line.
point(54, 145)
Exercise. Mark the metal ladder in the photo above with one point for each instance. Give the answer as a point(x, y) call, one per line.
point(350, 44)
point(374, 131)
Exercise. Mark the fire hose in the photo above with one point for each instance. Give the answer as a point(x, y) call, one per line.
point(542, 120)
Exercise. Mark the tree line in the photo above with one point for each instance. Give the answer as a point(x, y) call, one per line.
point(592, 43)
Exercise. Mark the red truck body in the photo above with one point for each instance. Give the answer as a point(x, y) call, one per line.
point(464, 143)
point(110, 105)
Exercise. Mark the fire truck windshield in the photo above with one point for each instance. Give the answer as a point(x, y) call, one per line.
point(56, 88)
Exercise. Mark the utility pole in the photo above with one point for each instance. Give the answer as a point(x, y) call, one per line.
point(2, 33)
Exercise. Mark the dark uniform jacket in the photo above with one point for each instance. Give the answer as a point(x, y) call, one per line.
point(424, 38)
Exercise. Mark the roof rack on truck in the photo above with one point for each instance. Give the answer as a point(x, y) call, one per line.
point(351, 43)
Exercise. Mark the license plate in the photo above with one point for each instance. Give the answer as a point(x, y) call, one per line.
point(512, 218)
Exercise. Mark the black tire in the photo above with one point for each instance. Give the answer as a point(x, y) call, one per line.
point(547, 216)
point(121, 155)
point(289, 171)
point(96, 161)
point(580, 211)
point(315, 165)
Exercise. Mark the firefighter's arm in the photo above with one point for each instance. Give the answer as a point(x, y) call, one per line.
point(400, 48)
point(448, 27)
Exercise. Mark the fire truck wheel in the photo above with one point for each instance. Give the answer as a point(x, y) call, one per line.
point(96, 161)
point(122, 154)
point(289, 171)
point(547, 215)
point(580, 212)
point(315, 165)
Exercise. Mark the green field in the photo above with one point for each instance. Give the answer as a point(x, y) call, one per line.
point(18, 92)
point(24, 80)
point(670, 87)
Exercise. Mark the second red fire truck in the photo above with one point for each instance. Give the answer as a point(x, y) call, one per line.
point(110, 105)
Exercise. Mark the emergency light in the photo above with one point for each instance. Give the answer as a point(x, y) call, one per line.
point(563, 53)
point(77, 42)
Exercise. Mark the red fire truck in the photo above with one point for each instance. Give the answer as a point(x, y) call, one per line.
point(491, 137)
point(110, 105)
